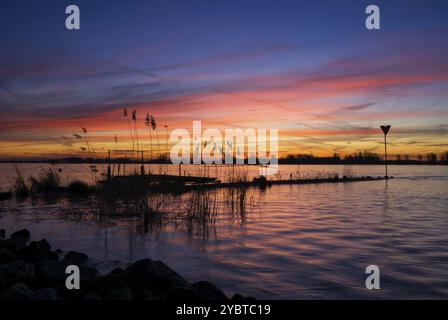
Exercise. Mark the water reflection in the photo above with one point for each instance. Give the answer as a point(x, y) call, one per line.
point(310, 241)
point(386, 197)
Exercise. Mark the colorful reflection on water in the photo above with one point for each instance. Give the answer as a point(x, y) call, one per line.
point(300, 241)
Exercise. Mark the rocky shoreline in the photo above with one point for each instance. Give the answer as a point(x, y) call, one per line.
point(33, 271)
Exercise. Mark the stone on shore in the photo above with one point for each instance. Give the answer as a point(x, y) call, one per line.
point(46, 294)
point(208, 291)
point(13, 243)
point(182, 294)
point(50, 272)
point(154, 275)
point(53, 272)
point(7, 255)
point(144, 294)
point(18, 291)
point(88, 273)
point(92, 296)
point(24, 233)
point(44, 245)
point(120, 294)
point(76, 258)
point(13, 272)
point(37, 251)
point(34, 272)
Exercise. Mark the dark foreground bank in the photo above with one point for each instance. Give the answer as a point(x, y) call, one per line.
point(33, 271)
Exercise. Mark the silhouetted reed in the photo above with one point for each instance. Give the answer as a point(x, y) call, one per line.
point(201, 205)
point(78, 187)
point(48, 181)
point(19, 186)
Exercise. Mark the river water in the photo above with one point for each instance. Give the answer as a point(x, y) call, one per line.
point(299, 242)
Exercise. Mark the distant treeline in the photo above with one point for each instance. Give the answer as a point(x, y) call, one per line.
point(355, 158)
point(366, 158)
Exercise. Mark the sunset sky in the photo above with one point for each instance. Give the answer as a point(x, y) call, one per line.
point(309, 68)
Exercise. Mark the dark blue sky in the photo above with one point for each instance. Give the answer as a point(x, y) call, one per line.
point(192, 29)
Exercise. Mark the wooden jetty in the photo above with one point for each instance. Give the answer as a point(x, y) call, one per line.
point(184, 180)
point(173, 183)
point(261, 183)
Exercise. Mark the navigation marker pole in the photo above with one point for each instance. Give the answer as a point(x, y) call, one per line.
point(385, 129)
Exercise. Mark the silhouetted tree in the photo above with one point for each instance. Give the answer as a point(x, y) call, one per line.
point(444, 157)
point(431, 157)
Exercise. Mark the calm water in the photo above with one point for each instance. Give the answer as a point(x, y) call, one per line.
point(301, 242)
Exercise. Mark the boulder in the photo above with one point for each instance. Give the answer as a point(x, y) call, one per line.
point(18, 291)
point(107, 283)
point(237, 297)
point(144, 294)
point(88, 273)
point(13, 243)
point(17, 271)
point(182, 294)
point(7, 255)
point(120, 294)
point(46, 294)
point(44, 245)
point(154, 275)
point(76, 258)
point(53, 272)
point(92, 296)
point(50, 272)
point(117, 271)
point(208, 291)
point(34, 252)
point(24, 233)
point(52, 255)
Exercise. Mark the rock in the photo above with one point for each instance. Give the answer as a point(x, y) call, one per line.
point(46, 294)
point(120, 294)
point(7, 255)
point(33, 252)
point(53, 272)
point(76, 258)
point(154, 275)
point(208, 291)
point(13, 243)
point(18, 291)
point(44, 245)
point(50, 272)
point(52, 255)
point(2, 234)
point(107, 283)
point(117, 271)
point(17, 271)
point(237, 297)
point(88, 273)
point(24, 233)
point(144, 294)
point(249, 299)
point(181, 293)
point(92, 296)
